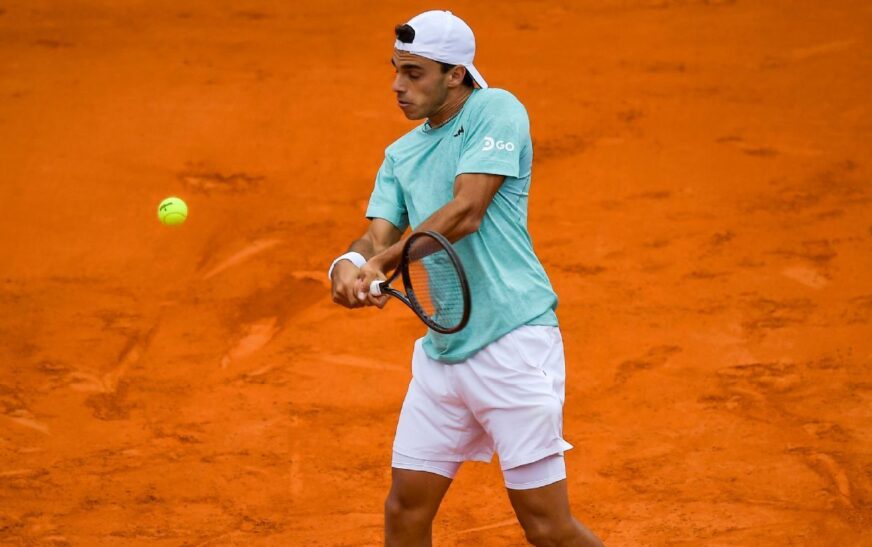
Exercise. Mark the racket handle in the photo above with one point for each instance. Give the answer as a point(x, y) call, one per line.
point(375, 288)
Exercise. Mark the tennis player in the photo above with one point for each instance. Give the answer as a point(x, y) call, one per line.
point(498, 385)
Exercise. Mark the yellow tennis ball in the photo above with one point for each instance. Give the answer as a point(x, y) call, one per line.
point(172, 211)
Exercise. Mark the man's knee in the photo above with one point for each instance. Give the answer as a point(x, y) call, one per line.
point(544, 533)
point(403, 513)
point(559, 533)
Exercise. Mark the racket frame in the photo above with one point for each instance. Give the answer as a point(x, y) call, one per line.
point(410, 300)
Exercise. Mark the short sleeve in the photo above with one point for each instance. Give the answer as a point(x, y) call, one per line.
point(387, 199)
point(495, 140)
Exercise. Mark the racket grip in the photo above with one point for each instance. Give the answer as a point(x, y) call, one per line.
point(375, 288)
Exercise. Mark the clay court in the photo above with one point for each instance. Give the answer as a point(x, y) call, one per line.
point(701, 200)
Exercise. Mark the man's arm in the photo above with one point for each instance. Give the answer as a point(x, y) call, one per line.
point(379, 236)
point(473, 193)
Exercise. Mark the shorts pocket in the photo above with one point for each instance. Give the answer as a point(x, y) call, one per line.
point(533, 344)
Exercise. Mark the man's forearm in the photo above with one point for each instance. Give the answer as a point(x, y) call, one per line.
point(366, 247)
point(454, 221)
point(363, 246)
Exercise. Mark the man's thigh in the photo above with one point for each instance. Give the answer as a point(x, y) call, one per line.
point(546, 502)
point(515, 387)
point(419, 492)
point(435, 423)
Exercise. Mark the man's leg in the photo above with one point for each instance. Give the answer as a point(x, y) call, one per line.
point(411, 505)
point(434, 420)
point(546, 518)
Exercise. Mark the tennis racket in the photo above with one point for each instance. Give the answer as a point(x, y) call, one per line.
point(434, 282)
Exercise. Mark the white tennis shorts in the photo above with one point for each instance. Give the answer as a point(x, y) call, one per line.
point(508, 397)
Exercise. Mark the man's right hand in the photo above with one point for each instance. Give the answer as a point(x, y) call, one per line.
point(344, 279)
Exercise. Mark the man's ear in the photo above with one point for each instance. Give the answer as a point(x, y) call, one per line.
point(457, 75)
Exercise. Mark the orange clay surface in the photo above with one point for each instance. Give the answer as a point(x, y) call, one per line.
point(701, 200)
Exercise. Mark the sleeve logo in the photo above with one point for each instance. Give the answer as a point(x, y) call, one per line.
point(490, 144)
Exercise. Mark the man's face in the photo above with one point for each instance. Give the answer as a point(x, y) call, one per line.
point(420, 85)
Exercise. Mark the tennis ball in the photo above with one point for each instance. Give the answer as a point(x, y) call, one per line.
point(172, 211)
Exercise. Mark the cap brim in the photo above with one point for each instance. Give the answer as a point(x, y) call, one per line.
point(476, 75)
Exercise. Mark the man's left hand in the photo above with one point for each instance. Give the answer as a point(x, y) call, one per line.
point(370, 271)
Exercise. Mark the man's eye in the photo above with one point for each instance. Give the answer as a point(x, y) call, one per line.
point(414, 76)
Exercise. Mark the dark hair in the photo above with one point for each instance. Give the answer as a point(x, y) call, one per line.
point(405, 33)
point(467, 79)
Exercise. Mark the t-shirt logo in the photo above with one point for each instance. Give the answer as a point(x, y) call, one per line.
point(490, 144)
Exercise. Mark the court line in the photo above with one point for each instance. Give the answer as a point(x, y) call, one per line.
point(500, 524)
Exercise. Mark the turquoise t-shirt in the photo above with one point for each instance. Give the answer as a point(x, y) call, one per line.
point(507, 283)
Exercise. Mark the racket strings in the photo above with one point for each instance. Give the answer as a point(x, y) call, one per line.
point(436, 287)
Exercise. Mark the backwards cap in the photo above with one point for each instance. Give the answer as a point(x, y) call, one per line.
point(440, 36)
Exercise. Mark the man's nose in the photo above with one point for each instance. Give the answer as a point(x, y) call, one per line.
point(397, 85)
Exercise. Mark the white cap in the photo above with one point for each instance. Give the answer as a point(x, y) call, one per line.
point(444, 37)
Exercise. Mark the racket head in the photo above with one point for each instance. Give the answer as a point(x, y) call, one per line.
point(435, 283)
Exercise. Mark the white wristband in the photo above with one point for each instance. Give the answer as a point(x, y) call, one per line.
point(355, 258)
